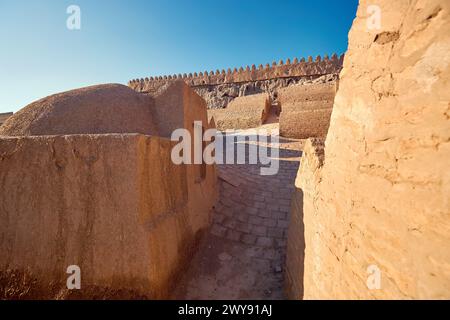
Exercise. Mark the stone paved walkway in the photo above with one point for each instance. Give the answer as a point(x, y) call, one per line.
point(242, 257)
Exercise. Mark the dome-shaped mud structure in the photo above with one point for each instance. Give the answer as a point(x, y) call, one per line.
point(109, 108)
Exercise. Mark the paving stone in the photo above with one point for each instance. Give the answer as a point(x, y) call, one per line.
point(275, 232)
point(219, 206)
point(256, 220)
point(283, 223)
point(284, 202)
point(267, 194)
point(218, 217)
point(252, 211)
point(230, 223)
point(285, 196)
point(287, 190)
point(259, 230)
point(264, 213)
point(271, 254)
point(242, 217)
point(228, 212)
point(270, 222)
point(260, 205)
point(258, 198)
point(243, 227)
point(279, 215)
point(225, 257)
point(239, 208)
point(264, 242)
point(280, 243)
point(218, 230)
point(248, 239)
point(227, 202)
point(263, 265)
point(233, 235)
point(278, 269)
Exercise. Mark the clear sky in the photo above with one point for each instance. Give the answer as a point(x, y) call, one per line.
point(127, 39)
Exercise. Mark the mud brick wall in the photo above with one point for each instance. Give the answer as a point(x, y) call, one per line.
point(242, 113)
point(114, 204)
point(306, 109)
point(219, 88)
point(381, 196)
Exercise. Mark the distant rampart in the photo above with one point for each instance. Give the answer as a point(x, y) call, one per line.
point(218, 88)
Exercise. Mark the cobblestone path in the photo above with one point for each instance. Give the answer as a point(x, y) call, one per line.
point(242, 256)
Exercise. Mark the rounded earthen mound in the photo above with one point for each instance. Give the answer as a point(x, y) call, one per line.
point(109, 108)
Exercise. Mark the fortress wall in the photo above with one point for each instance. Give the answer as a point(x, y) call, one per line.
point(243, 112)
point(219, 88)
point(226, 121)
point(177, 106)
point(307, 105)
point(312, 160)
point(307, 93)
point(259, 102)
point(380, 200)
point(309, 67)
point(114, 204)
point(305, 124)
point(306, 110)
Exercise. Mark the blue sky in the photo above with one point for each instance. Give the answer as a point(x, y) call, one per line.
point(122, 40)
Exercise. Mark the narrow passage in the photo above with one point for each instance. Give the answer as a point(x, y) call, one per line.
point(243, 254)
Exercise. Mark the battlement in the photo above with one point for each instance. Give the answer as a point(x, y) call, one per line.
point(283, 69)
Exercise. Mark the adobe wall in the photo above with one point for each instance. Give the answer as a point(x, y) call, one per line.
point(381, 197)
point(73, 183)
point(99, 109)
point(312, 160)
point(305, 124)
point(4, 117)
point(308, 97)
point(242, 113)
point(115, 205)
point(306, 109)
point(218, 88)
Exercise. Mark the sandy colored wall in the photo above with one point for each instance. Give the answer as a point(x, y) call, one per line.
point(305, 124)
point(312, 160)
point(115, 205)
point(306, 109)
point(381, 197)
point(242, 113)
point(296, 68)
point(203, 176)
point(219, 88)
point(99, 109)
point(307, 97)
point(4, 116)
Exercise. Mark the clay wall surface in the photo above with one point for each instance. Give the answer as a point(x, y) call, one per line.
point(312, 160)
point(219, 88)
point(305, 124)
point(320, 66)
point(380, 199)
point(115, 205)
point(107, 108)
point(4, 117)
point(242, 113)
point(307, 97)
point(306, 109)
